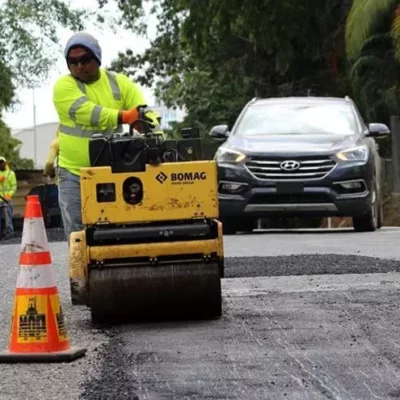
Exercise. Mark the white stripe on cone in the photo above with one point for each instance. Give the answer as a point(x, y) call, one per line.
point(36, 277)
point(34, 236)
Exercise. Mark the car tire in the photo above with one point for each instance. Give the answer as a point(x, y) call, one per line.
point(380, 215)
point(229, 228)
point(246, 225)
point(235, 224)
point(370, 221)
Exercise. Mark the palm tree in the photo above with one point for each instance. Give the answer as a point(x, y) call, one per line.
point(372, 40)
point(366, 18)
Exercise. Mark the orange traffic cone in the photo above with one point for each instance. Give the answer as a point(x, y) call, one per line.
point(38, 330)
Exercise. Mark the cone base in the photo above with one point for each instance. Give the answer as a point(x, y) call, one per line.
point(59, 356)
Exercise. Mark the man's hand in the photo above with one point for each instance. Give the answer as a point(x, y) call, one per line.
point(130, 116)
point(49, 170)
point(7, 197)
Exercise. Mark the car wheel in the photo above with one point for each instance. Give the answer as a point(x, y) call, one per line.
point(246, 225)
point(369, 221)
point(229, 227)
point(235, 224)
point(380, 215)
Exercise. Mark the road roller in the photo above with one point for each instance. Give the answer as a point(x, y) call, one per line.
point(151, 244)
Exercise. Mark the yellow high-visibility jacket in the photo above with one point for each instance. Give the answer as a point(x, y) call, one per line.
point(8, 183)
point(85, 109)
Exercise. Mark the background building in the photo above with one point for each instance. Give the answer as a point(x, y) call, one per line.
point(168, 115)
point(36, 148)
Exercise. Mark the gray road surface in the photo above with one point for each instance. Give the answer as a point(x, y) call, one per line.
point(383, 243)
point(295, 338)
point(330, 336)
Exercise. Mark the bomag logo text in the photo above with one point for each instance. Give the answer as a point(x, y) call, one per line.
point(187, 177)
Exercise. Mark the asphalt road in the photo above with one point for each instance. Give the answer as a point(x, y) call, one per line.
point(306, 315)
point(382, 243)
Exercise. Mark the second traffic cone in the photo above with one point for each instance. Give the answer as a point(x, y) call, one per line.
point(38, 330)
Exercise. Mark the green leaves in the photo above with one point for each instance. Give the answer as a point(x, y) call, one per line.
point(373, 50)
point(395, 34)
point(6, 87)
point(29, 37)
point(212, 56)
point(365, 19)
point(9, 148)
point(28, 43)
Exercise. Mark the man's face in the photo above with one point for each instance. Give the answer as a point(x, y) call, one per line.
point(2, 165)
point(82, 65)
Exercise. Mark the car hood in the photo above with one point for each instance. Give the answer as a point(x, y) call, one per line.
point(292, 143)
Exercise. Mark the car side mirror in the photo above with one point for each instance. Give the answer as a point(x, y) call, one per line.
point(220, 132)
point(378, 130)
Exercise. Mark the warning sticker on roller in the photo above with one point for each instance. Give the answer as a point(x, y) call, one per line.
point(32, 319)
point(59, 317)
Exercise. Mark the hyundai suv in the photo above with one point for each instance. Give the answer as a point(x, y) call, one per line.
point(299, 156)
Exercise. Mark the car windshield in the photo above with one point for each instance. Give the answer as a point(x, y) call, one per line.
point(297, 119)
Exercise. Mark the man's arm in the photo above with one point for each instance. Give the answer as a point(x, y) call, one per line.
point(53, 150)
point(133, 96)
point(49, 169)
point(73, 104)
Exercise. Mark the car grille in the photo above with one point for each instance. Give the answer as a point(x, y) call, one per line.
point(310, 168)
point(305, 198)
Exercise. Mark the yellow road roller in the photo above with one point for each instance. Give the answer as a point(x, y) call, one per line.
point(152, 244)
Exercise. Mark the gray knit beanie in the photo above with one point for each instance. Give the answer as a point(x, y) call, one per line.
point(85, 40)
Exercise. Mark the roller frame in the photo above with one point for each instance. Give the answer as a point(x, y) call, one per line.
point(91, 266)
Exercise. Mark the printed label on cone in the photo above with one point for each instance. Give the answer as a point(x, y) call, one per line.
point(32, 319)
point(59, 317)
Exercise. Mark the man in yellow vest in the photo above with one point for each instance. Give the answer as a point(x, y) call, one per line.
point(8, 187)
point(89, 100)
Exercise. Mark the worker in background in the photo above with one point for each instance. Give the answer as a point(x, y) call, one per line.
point(89, 100)
point(8, 187)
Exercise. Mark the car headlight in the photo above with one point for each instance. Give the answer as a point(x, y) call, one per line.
point(229, 156)
point(355, 154)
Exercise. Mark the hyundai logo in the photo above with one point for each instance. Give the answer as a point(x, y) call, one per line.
point(290, 165)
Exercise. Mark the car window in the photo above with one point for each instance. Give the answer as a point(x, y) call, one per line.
point(278, 119)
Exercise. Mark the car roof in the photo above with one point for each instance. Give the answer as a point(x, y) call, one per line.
point(311, 100)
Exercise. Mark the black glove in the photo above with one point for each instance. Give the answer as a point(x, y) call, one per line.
point(143, 115)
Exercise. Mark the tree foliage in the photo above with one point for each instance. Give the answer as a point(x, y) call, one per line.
point(9, 148)
point(28, 40)
point(366, 17)
point(373, 49)
point(6, 86)
point(212, 56)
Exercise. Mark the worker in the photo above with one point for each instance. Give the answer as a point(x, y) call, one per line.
point(8, 187)
point(89, 100)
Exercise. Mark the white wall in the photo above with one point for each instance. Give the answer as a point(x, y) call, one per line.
point(45, 134)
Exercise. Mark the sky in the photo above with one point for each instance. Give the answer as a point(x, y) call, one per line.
point(111, 43)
